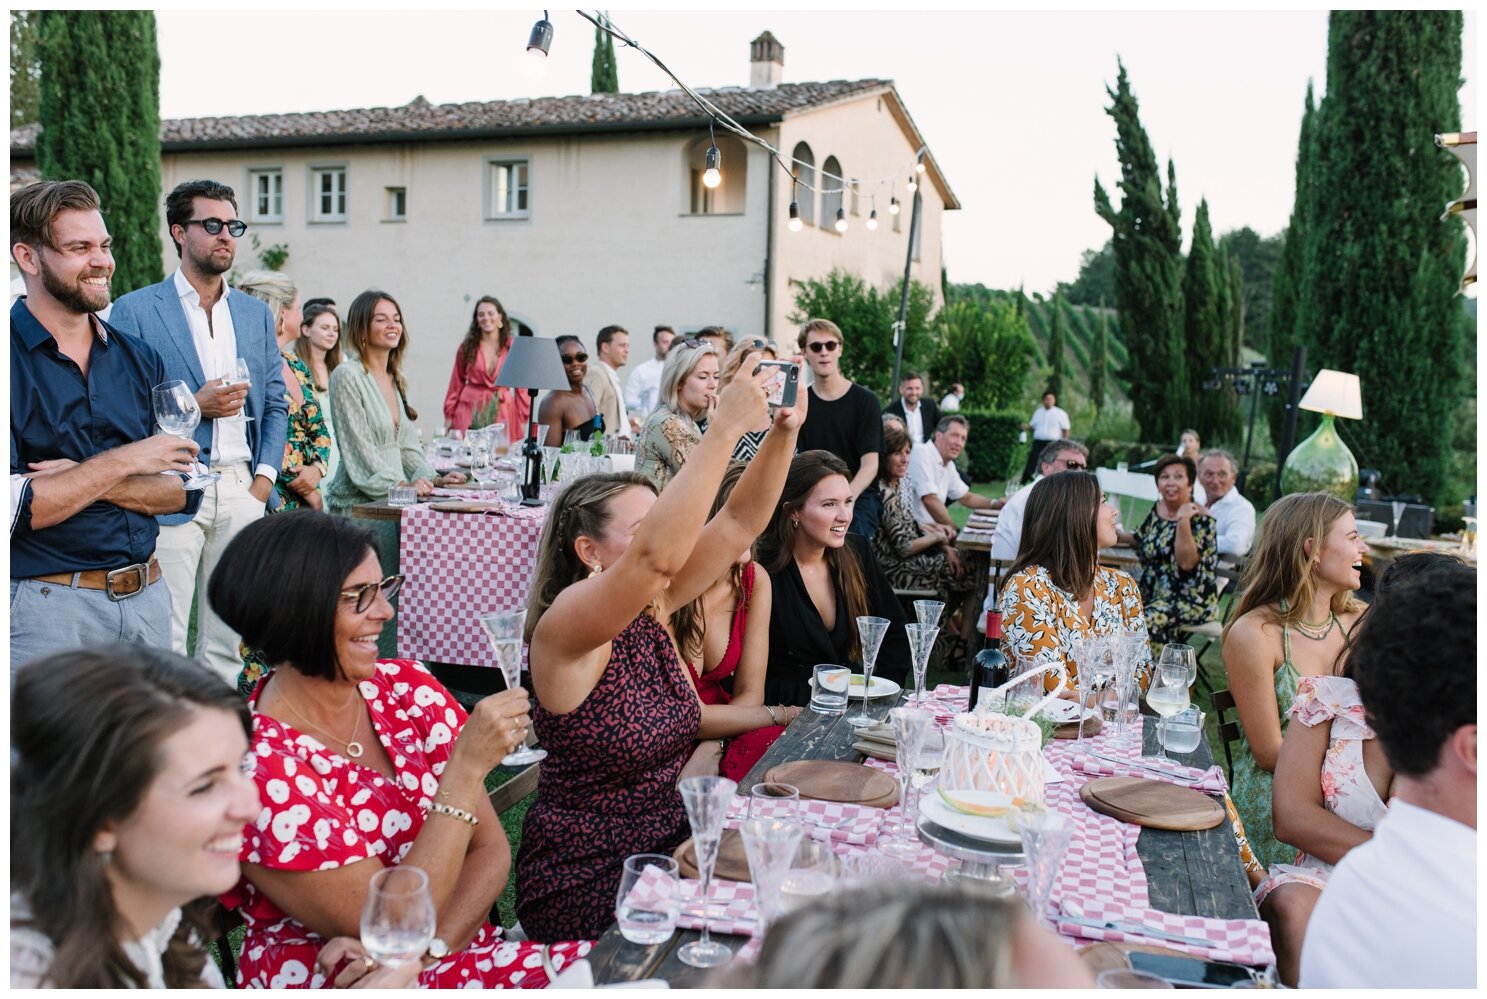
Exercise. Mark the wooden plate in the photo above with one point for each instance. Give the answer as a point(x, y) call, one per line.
point(465, 506)
point(1152, 803)
point(732, 864)
point(1092, 726)
point(834, 780)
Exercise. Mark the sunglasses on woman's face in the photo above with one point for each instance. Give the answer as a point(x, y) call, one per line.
point(577, 358)
point(364, 595)
point(828, 346)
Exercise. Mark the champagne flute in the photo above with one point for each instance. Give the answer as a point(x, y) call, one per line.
point(178, 414)
point(1045, 835)
point(910, 726)
point(927, 612)
point(1167, 696)
point(1091, 654)
point(706, 800)
point(504, 629)
point(1128, 646)
point(398, 919)
point(921, 642)
point(770, 845)
point(239, 375)
point(870, 631)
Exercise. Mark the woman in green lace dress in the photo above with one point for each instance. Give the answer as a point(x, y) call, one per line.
point(1178, 548)
point(1294, 619)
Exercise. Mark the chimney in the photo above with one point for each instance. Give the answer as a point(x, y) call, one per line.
point(766, 62)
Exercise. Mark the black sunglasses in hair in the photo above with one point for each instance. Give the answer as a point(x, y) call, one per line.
point(827, 345)
point(760, 344)
point(213, 226)
point(577, 358)
point(363, 595)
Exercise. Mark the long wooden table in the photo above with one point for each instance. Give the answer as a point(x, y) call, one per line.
point(1196, 873)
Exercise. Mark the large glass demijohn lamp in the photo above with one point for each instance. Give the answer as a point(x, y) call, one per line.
point(1322, 463)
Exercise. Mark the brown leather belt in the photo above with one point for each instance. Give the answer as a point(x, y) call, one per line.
point(119, 584)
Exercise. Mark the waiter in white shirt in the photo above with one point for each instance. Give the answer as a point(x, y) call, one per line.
point(1217, 471)
point(644, 386)
point(1048, 424)
point(603, 380)
point(1400, 910)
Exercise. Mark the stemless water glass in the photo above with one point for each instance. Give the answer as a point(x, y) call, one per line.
point(811, 874)
point(910, 728)
point(1045, 835)
point(649, 900)
point(398, 919)
point(706, 800)
point(870, 630)
point(921, 642)
point(178, 415)
point(772, 800)
point(770, 845)
point(504, 629)
point(927, 612)
point(1167, 695)
point(829, 689)
point(1183, 731)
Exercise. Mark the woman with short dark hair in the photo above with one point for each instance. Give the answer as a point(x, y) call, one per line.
point(362, 764)
point(1177, 544)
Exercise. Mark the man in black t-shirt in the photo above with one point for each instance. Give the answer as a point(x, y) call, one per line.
point(844, 419)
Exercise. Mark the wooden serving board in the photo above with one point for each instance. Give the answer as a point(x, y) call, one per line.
point(834, 780)
point(732, 863)
point(1152, 803)
point(1069, 730)
point(465, 506)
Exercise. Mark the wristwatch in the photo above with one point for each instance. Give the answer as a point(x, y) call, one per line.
point(438, 951)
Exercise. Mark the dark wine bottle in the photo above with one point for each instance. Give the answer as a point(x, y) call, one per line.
point(990, 668)
point(531, 464)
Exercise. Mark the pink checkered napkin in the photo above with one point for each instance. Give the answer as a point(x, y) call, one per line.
point(1240, 941)
point(730, 904)
point(1211, 779)
point(860, 828)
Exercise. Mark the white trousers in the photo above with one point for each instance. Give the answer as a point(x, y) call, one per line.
point(189, 552)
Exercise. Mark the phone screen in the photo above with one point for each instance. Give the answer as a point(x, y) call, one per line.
point(1190, 970)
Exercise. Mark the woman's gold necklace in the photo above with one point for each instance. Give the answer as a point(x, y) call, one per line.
point(354, 749)
point(1317, 632)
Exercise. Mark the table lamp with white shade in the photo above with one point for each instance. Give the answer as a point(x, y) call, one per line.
point(1322, 463)
point(534, 364)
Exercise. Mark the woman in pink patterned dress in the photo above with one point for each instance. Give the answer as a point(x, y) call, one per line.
point(362, 764)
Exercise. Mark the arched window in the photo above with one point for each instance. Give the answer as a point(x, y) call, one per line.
point(831, 186)
point(805, 173)
point(728, 197)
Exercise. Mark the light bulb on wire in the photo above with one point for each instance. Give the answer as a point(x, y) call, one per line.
point(913, 184)
point(919, 164)
point(841, 220)
point(795, 224)
point(892, 206)
point(712, 176)
point(534, 63)
point(872, 219)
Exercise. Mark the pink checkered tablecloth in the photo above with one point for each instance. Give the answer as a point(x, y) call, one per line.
point(458, 566)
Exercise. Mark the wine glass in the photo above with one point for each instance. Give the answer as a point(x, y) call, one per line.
point(239, 374)
point(504, 629)
point(1167, 695)
point(927, 612)
point(482, 465)
point(706, 800)
point(1183, 655)
point(398, 919)
point(921, 643)
point(870, 631)
point(178, 414)
point(499, 439)
point(1045, 835)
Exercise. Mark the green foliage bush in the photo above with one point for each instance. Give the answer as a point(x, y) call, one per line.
point(866, 316)
point(1259, 488)
point(988, 349)
point(992, 448)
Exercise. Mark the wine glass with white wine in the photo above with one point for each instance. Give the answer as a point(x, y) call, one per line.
point(1168, 695)
point(399, 919)
point(504, 628)
point(178, 414)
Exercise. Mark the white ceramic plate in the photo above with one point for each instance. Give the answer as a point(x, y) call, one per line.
point(994, 830)
point(882, 687)
point(1062, 712)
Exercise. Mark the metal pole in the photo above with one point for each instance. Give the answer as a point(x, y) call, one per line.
point(1249, 437)
point(901, 326)
point(1293, 404)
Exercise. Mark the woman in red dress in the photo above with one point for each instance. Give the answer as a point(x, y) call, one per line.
point(476, 365)
point(362, 764)
point(724, 634)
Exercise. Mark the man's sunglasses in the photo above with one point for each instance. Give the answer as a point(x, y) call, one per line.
point(364, 595)
point(1076, 464)
point(827, 345)
point(213, 226)
point(577, 358)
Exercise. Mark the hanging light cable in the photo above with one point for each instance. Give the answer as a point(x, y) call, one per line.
point(534, 64)
point(712, 176)
point(872, 217)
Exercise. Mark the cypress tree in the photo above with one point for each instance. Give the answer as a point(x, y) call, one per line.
point(1379, 268)
point(1098, 362)
point(25, 69)
point(1147, 237)
point(1056, 346)
point(1284, 334)
point(100, 122)
point(604, 78)
point(1205, 294)
point(1237, 316)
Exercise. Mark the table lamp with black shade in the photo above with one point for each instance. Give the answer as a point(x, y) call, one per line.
point(534, 364)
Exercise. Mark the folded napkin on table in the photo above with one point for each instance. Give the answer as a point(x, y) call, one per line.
point(1211, 780)
point(1239, 941)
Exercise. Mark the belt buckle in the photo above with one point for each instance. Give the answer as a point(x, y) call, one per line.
point(140, 571)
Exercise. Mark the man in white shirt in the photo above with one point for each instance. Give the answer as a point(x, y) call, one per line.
point(644, 386)
point(1217, 473)
point(1058, 456)
point(201, 327)
point(951, 403)
point(937, 482)
point(1400, 910)
point(603, 380)
point(1048, 424)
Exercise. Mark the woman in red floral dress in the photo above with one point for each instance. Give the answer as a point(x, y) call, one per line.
point(362, 764)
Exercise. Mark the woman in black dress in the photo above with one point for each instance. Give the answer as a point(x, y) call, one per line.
point(823, 580)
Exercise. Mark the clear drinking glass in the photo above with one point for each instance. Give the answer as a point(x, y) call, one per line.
point(500, 440)
point(706, 800)
point(649, 900)
point(770, 800)
point(1091, 653)
point(911, 726)
point(921, 642)
point(770, 844)
point(1128, 646)
point(504, 629)
point(927, 612)
point(871, 631)
point(1183, 655)
point(812, 873)
point(1183, 731)
point(178, 414)
point(398, 919)
point(1167, 695)
point(829, 691)
point(1045, 836)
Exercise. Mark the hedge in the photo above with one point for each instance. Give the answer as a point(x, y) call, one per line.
point(992, 446)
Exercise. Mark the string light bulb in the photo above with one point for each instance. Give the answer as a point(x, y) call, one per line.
point(841, 220)
point(795, 223)
point(534, 64)
point(872, 219)
point(913, 184)
point(892, 206)
point(919, 164)
point(712, 176)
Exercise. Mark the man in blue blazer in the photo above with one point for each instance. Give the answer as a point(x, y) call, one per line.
point(200, 327)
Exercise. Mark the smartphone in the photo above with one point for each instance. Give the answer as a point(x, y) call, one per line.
point(783, 384)
point(1189, 971)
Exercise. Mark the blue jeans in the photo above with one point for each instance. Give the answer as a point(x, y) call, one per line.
point(55, 617)
point(866, 512)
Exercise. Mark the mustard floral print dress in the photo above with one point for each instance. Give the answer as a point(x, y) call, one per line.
point(1041, 620)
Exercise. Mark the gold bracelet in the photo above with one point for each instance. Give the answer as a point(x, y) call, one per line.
point(455, 813)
